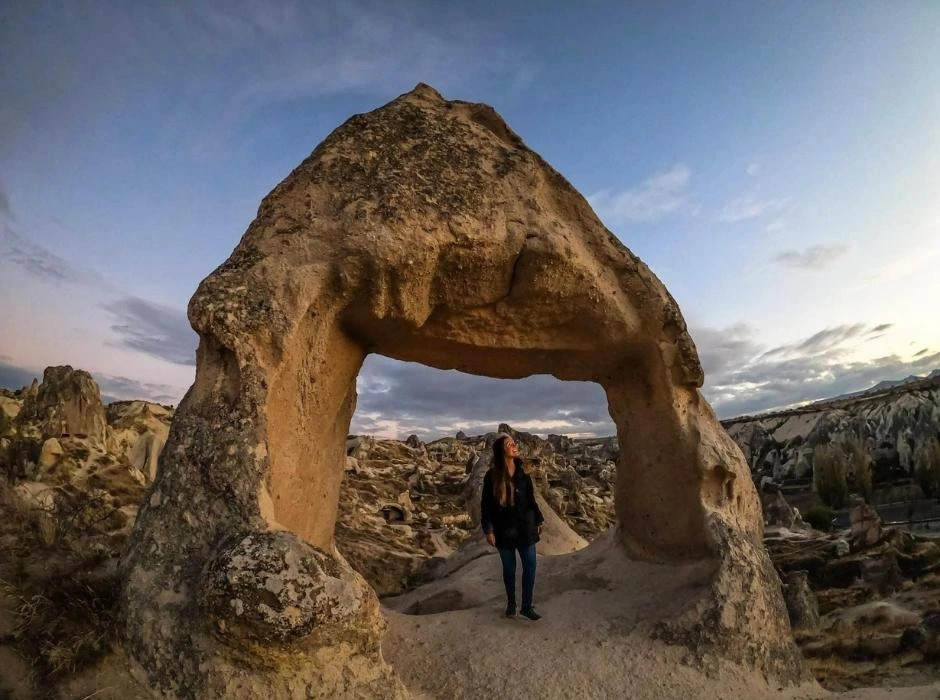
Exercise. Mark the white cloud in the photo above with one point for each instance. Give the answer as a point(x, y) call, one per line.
point(655, 198)
point(751, 207)
point(752, 169)
point(815, 257)
point(741, 376)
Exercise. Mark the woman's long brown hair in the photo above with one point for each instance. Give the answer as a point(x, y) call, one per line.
point(502, 484)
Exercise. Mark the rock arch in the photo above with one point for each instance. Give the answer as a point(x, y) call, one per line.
point(427, 231)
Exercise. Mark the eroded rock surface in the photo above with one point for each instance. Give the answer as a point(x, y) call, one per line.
point(67, 402)
point(416, 231)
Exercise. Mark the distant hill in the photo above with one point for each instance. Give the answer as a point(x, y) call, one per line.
point(883, 388)
point(886, 385)
point(893, 421)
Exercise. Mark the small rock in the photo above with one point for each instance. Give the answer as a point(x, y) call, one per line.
point(51, 453)
point(866, 525)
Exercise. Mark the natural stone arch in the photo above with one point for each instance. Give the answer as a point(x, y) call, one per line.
point(426, 231)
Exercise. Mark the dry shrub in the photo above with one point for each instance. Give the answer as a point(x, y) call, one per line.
point(829, 476)
point(927, 466)
point(60, 571)
point(861, 466)
point(64, 619)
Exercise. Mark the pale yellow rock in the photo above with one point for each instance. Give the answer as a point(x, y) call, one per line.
point(51, 453)
point(10, 407)
point(426, 231)
point(138, 430)
point(67, 402)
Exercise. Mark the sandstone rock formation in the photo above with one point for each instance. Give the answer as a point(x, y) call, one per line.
point(59, 433)
point(426, 231)
point(138, 431)
point(67, 402)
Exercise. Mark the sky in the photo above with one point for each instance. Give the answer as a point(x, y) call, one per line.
point(777, 165)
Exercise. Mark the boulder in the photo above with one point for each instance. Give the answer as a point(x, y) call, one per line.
point(51, 453)
point(359, 447)
point(779, 513)
point(865, 524)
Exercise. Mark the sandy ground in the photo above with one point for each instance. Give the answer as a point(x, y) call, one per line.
point(593, 641)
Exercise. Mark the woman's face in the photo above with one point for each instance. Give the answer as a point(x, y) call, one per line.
point(509, 447)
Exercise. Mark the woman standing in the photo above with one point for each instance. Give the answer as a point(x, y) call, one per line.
point(512, 521)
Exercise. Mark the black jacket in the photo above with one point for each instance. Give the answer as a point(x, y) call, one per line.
point(515, 525)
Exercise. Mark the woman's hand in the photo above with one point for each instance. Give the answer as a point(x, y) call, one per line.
point(491, 539)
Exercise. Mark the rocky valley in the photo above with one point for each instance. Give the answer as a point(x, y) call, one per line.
point(862, 600)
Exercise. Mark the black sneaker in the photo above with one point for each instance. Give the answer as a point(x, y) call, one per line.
point(510, 611)
point(530, 614)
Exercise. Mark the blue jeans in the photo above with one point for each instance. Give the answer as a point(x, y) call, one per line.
point(508, 557)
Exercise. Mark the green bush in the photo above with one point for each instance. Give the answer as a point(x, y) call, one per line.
point(819, 517)
point(829, 476)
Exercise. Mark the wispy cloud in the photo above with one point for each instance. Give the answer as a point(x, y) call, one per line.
point(752, 169)
point(659, 196)
point(115, 388)
point(157, 330)
point(815, 257)
point(41, 262)
point(829, 339)
point(743, 377)
point(751, 207)
point(236, 58)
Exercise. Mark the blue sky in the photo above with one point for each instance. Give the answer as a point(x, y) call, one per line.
point(776, 164)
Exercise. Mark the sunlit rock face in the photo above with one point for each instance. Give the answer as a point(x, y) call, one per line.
point(425, 231)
